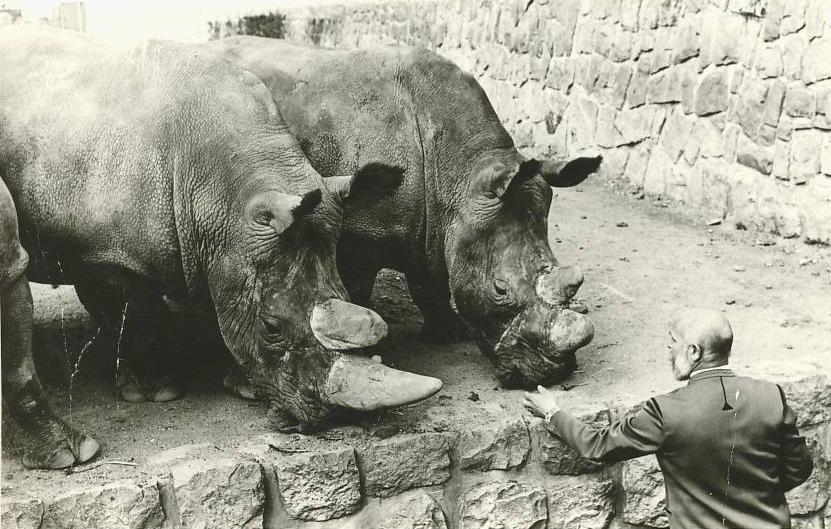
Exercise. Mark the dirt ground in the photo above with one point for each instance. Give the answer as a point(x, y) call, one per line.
point(642, 261)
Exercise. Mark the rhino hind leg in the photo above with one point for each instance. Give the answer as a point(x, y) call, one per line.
point(53, 443)
point(441, 323)
point(138, 325)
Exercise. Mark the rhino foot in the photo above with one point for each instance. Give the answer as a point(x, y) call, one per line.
point(447, 328)
point(60, 449)
point(161, 389)
point(236, 383)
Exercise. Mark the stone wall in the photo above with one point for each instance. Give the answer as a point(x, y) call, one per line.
point(723, 105)
point(511, 473)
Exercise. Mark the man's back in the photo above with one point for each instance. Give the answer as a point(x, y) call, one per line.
point(723, 436)
point(728, 447)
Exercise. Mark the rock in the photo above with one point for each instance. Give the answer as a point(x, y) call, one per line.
point(812, 495)
point(581, 502)
point(125, 504)
point(676, 134)
point(657, 172)
point(318, 485)
point(815, 65)
point(404, 462)
point(416, 512)
point(749, 111)
point(773, 19)
point(636, 92)
point(799, 102)
point(503, 504)
point(686, 41)
point(645, 501)
point(805, 154)
point(556, 456)
point(711, 96)
point(810, 399)
point(721, 39)
point(793, 17)
point(634, 125)
point(495, 447)
point(773, 103)
point(825, 156)
point(754, 156)
point(20, 511)
point(769, 62)
point(666, 86)
point(218, 491)
point(793, 50)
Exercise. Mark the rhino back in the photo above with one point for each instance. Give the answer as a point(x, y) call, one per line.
point(400, 106)
point(91, 139)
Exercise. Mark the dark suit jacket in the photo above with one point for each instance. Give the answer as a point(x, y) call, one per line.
point(728, 447)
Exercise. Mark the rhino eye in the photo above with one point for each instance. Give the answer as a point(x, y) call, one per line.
point(500, 287)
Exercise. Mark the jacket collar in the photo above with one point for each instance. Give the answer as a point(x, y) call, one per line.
point(721, 371)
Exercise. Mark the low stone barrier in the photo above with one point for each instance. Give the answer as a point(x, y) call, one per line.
point(510, 473)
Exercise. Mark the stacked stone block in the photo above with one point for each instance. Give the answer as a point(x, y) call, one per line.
point(510, 473)
point(723, 105)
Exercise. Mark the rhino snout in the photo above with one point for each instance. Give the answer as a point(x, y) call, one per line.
point(340, 325)
point(558, 286)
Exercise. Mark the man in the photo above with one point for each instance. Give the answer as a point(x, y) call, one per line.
point(728, 446)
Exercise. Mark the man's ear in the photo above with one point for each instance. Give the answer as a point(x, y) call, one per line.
point(568, 173)
point(694, 353)
point(370, 184)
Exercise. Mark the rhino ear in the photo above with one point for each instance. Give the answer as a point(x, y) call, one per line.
point(370, 183)
point(568, 173)
point(496, 180)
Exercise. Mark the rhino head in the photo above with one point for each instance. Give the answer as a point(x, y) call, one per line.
point(284, 314)
point(504, 279)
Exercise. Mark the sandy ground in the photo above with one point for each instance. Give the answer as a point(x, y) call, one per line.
point(642, 262)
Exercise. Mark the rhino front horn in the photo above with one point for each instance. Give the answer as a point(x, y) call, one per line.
point(559, 286)
point(571, 331)
point(339, 325)
point(360, 383)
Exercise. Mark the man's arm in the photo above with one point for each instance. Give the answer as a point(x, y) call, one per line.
point(635, 435)
point(795, 464)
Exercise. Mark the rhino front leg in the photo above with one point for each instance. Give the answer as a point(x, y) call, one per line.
point(53, 443)
point(441, 323)
point(139, 326)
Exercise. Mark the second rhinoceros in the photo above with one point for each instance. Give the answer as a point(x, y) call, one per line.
point(166, 170)
point(468, 225)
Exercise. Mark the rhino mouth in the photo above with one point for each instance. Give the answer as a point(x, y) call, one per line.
point(539, 346)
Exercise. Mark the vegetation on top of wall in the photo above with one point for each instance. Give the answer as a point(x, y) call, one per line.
point(271, 25)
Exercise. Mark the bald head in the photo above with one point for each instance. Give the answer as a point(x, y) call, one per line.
point(709, 329)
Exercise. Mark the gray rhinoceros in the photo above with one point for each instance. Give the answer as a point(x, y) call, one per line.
point(167, 171)
point(468, 225)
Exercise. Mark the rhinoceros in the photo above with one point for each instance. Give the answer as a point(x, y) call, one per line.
point(468, 225)
point(166, 170)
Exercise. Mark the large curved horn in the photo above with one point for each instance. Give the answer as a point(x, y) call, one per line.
point(359, 383)
point(338, 324)
point(570, 331)
point(559, 286)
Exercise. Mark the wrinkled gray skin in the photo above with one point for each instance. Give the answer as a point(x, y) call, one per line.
point(166, 170)
point(468, 225)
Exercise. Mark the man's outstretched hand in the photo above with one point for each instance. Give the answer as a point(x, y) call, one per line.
point(541, 403)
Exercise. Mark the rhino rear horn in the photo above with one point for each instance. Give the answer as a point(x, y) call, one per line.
point(568, 173)
point(339, 325)
point(363, 384)
point(560, 285)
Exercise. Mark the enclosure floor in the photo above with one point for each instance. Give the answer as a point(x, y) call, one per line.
point(641, 263)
